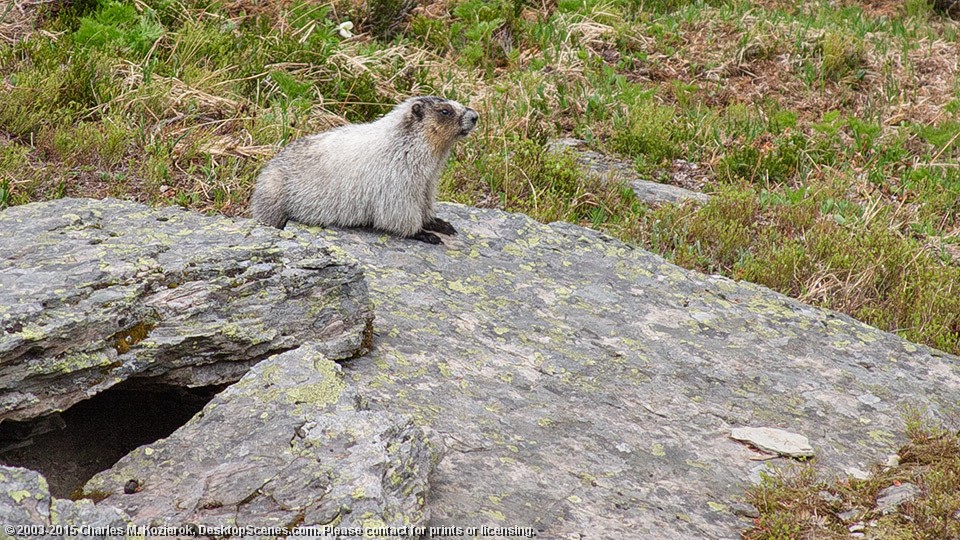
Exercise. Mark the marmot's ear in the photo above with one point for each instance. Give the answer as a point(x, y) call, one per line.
point(417, 110)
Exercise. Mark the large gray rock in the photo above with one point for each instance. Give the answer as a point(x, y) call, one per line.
point(588, 389)
point(96, 292)
point(606, 167)
point(579, 387)
point(289, 445)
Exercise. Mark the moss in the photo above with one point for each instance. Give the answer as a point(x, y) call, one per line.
point(459, 286)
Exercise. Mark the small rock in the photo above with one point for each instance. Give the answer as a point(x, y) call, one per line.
point(849, 515)
point(745, 510)
point(893, 461)
point(132, 486)
point(857, 527)
point(655, 193)
point(856, 473)
point(774, 440)
point(597, 164)
point(892, 497)
point(828, 497)
point(868, 399)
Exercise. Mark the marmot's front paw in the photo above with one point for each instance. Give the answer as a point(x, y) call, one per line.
point(440, 226)
point(424, 236)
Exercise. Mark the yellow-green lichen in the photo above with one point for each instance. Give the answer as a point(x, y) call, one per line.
point(32, 332)
point(324, 392)
point(125, 339)
point(19, 495)
point(495, 514)
point(461, 287)
point(717, 507)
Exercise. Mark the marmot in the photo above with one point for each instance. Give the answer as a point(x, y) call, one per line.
point(383, 174)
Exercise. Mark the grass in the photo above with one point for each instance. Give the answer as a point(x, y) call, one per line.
point(801, 504)
point(828, 132)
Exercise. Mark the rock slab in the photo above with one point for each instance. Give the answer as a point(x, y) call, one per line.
point(289, 445)
point(775, 441)
point(889, 499)
point(587, 389)
point(93, 293)
point(606, 167)
point(580, 388)
point(29, 511)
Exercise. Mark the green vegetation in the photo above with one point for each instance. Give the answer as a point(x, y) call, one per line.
point(828, 131)
point(801, 504)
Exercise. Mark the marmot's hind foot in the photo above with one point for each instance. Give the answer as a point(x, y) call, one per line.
point(440, 226)
point(424, 236)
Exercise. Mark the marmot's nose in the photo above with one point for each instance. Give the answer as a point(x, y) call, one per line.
point(471, 117)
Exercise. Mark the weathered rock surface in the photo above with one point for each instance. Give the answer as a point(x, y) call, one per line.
point(583, 387)
point(595, 163)
point(286, 446)
point(28, 510)
point(96, 292)
point(889, 499)
point(579, 386)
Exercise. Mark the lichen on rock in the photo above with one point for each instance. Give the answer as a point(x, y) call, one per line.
point(551, 377)
point(97, 292)
point(287, 444)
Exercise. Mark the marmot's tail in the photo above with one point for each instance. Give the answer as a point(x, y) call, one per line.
point(269, 204)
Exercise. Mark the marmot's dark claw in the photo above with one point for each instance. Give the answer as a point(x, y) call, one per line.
point(440, 226)
point(424, 236)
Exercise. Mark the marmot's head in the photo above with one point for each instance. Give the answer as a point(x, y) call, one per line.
point(443, 121)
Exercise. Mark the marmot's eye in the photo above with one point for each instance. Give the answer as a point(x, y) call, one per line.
point(445, 112)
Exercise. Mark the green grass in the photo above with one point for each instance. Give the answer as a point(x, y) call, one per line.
point(801, 503)
point(829, 132)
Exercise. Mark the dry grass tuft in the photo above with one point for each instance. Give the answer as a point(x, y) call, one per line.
point(18, 18)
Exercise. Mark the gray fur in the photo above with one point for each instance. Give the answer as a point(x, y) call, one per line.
point(383, 174)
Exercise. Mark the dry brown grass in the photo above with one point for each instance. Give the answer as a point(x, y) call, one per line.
point(914, 85)
point(18, 18)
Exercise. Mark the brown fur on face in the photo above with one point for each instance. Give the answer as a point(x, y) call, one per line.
point(443, 122)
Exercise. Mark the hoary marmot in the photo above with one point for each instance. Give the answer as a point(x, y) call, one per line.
point(383, 174)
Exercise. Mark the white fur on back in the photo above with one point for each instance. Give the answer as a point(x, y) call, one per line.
point(381, 174)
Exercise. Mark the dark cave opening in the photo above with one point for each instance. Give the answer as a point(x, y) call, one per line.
point(71, 447)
